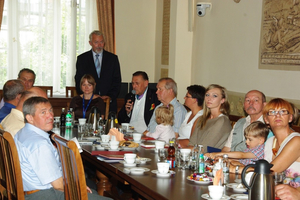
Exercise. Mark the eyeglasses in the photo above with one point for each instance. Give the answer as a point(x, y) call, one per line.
point(280, 112)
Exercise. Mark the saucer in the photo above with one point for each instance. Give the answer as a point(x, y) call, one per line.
point(162, 175)
point(100, 148)
point(239, 196)
point(142, 160)
point(206, 196)
point(90, 138)
point(127, 164)
point(138, 170)
point(234, 187)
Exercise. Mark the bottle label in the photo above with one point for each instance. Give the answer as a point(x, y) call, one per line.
point(171, 163)
point(201, 167)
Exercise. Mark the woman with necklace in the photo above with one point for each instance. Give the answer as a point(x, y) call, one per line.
point(213, 127)
point(83, 103)
point(283, 149)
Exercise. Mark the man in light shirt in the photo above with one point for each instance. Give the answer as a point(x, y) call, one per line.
point(253, 105)
point(138, 109)
point(166, 94)
point(40, 164)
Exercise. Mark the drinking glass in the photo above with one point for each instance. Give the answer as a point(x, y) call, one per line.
point(162, 155)
point(185, 157)
point(278, 178)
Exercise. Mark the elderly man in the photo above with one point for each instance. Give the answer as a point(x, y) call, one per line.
point(12, 92)
point(14, 121)
point(103, 66)
point(253, 105)
point(39, 159)
point(166, 94)
point(138, 109)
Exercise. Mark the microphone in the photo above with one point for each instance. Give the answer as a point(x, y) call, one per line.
point(132, 96)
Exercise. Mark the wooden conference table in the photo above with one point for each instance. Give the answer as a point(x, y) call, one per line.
point(147, 186)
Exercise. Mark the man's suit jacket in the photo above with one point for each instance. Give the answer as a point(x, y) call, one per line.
point(109, 83)
point(150, 104)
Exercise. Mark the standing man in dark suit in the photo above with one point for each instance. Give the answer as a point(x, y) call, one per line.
point(139, 108)
point(103, 66)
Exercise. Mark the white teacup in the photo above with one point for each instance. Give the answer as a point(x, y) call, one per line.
point(159, 145)
point(105, 138)
point(81, 121)
point(114, 145)
point(185, 151)
point(137, 137)
point(215, 191)
point(163, 167)
point(129, 158)
point(125, 126)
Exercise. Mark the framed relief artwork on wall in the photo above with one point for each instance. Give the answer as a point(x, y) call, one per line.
point(280, 35)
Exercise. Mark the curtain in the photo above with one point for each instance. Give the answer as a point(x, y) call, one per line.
point(1, 11)
point(105, 10)
point(45, 36)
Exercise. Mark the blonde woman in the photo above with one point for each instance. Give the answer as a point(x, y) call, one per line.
point(213, 127)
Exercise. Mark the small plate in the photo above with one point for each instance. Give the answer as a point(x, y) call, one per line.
point(200, 182)
point(99, 147)
point(234, 187)
point(90, 138)
point(238, 180)
point(138, 170)
point(206, 196)
point(142, 160)
point(239, 196)
point(127, 164)
point(163, 175)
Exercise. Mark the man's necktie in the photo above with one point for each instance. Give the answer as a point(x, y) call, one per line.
point(98, 66)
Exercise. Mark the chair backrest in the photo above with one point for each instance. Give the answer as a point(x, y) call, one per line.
point(73, 172)
point(10, 159)
point(71, 91)
point(47, 89)
point(107, 103)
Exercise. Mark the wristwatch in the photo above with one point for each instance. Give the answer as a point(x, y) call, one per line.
point(237, 169)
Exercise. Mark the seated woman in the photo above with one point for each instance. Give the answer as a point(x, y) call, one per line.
point(283, 149)
point(83, 103)
point(193, 100)
point(213, 126)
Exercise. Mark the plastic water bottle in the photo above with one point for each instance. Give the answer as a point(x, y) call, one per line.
point(69, 119)
point(201, 163)
point(225, 166)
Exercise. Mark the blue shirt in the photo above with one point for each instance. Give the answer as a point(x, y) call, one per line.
point(5, 110)
point(39, 159)
point(179, 115)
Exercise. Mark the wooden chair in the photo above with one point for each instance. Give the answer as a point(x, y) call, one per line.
point(73, 172)
point(72, 91)
point(47, 89)
point(10, 161)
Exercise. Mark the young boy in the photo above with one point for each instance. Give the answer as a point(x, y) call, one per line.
point(256, 134)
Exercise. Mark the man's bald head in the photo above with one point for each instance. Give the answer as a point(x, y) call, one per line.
point(32, 92)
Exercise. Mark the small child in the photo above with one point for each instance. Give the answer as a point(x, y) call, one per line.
point(164, 119)
point(256, 134)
